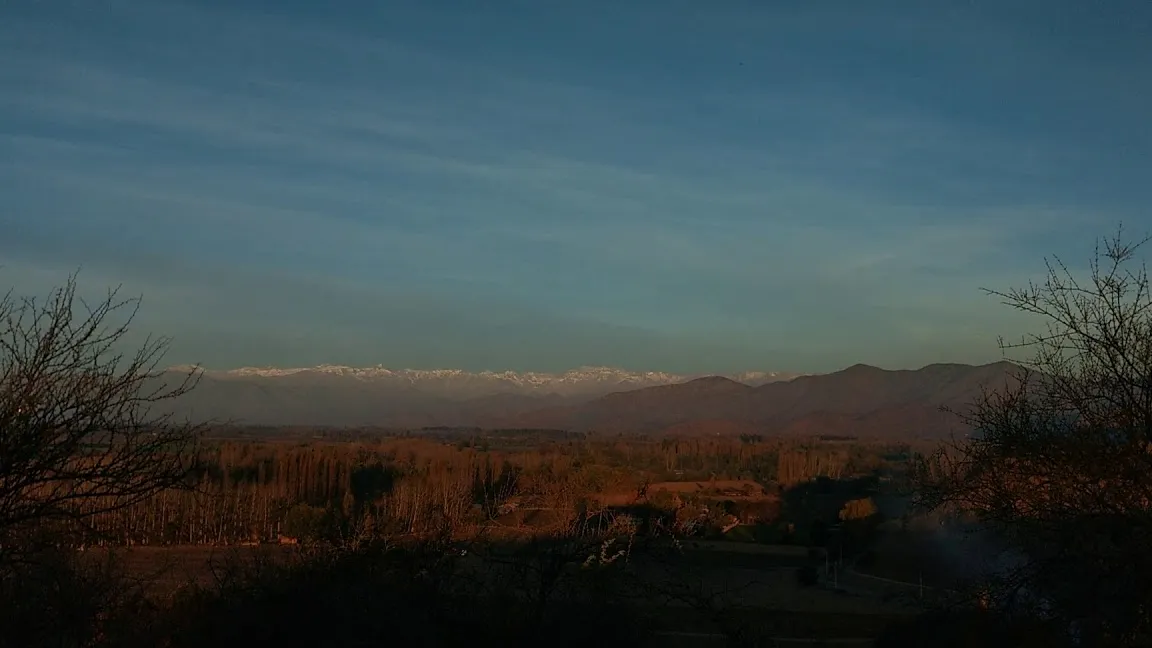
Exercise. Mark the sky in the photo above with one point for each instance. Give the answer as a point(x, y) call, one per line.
point(541, 185)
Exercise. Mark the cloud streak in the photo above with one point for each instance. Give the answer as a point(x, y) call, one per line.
point(272, 185)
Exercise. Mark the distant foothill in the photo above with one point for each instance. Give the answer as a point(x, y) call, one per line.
point(858, 401)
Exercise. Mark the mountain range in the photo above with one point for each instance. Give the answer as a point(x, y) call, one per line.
point(459, 384)
point(339, 395)
point(858, 401)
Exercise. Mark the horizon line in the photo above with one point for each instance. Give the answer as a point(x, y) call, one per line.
point(699, 374)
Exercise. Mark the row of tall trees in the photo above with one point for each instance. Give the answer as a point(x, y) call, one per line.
point(245, 491)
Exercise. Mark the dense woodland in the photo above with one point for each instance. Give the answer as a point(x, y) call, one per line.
point(248, 487)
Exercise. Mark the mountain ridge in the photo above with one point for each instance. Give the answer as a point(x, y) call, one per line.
point(860, 400)
point(590, 379)
point(343, 395)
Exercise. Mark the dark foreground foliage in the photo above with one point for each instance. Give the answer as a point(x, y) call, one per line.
point(370, 596)
point(971, 629)
point(1059, 464)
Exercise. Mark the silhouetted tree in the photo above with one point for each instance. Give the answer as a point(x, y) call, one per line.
point(79, 434)
point(1059, 463)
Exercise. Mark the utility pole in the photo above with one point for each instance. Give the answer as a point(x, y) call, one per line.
point(921, 583)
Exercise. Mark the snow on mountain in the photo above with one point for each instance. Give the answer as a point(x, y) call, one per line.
point(456, 383)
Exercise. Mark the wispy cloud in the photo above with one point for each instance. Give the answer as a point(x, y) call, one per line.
point(299, 169)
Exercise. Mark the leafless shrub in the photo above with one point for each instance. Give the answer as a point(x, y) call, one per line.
point(68, 599)
point(80, 434)
point(1059, 464)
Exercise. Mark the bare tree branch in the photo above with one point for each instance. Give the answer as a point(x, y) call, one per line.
point(1059, 463)
point(82, 426)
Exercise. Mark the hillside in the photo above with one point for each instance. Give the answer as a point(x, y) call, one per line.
point(860, 400)
point(336, 395)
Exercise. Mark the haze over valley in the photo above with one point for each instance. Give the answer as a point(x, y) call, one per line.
point(858, 401)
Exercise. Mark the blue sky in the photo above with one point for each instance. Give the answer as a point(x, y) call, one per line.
point(669, 185)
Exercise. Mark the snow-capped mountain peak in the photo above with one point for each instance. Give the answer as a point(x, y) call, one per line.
point(588, 380)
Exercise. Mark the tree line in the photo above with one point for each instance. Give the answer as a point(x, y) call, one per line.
point(258, 491)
